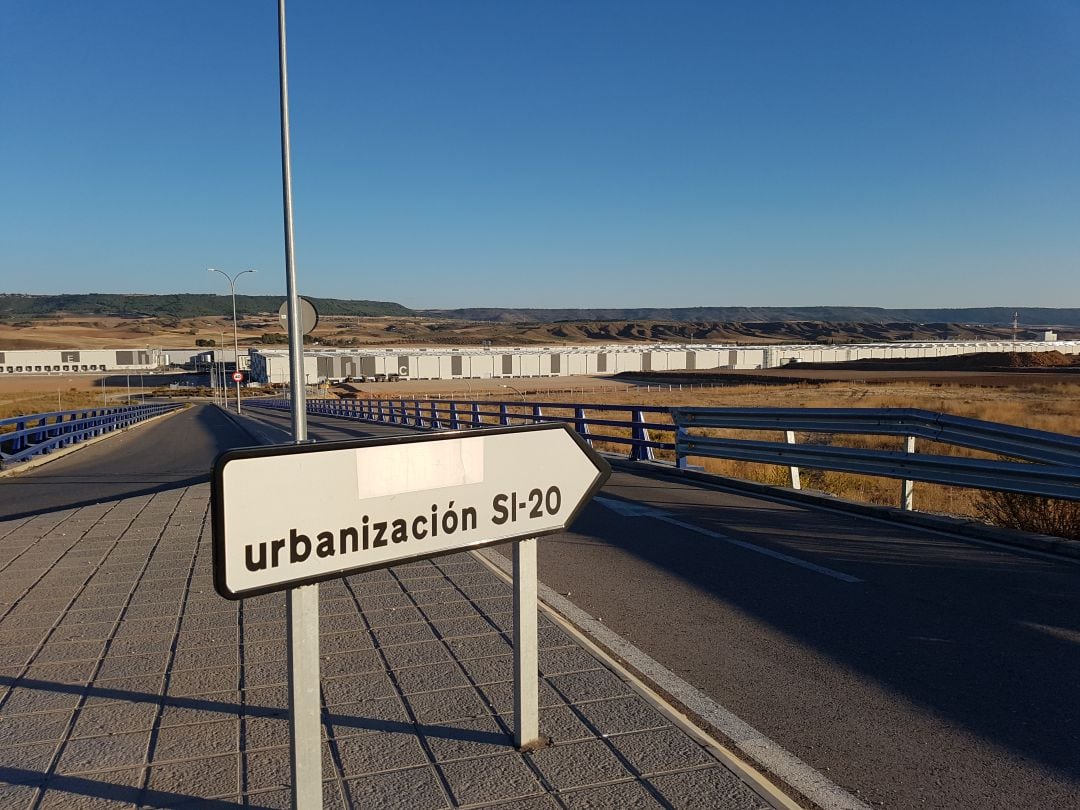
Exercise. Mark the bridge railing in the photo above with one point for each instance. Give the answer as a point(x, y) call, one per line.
point(1050, 463)
point(633, 426)
point(22, 437)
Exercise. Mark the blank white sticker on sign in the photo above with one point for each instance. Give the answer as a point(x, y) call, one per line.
point(404, 468)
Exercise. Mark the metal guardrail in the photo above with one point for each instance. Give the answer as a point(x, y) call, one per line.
point(976, 434)
point(1050, 466)
point(1054, 471)
point(41, 433)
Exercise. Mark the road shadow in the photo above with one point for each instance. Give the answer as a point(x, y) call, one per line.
point(988, 640)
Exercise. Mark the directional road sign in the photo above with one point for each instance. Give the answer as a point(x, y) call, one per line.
point(295, 514)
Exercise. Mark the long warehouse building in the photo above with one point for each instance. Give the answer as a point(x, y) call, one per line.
point(48, 361)
point(272, 365)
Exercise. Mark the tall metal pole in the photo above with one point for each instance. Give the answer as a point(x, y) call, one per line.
point(235, 344)
point(302, 604)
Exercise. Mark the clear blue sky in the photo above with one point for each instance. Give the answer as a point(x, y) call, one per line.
point(446, 154)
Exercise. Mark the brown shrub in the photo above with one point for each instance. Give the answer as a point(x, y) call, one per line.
point(1030, 513)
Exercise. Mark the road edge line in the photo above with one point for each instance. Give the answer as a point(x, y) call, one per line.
point(759, 749)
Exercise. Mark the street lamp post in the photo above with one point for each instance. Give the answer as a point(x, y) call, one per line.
point(516, 391)
point(525, 417)
point(236, 340)
point(220, 365)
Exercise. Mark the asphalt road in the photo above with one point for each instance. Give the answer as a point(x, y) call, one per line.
point(178, 450)
point(943, 676)
point(912, 669)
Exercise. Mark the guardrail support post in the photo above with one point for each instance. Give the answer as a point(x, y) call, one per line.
point(476, 420)
point(796, 480)
point(640, 452)
point(537, 414)
point(435, 423)
point(907, 489)
point(454, 423)
point(504, 416)
point(681, 461)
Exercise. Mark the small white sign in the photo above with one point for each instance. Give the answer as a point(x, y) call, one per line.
point(288, 515)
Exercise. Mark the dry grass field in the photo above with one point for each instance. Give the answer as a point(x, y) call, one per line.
point(62, 392)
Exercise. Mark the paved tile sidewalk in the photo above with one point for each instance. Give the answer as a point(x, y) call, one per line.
point(125, 680)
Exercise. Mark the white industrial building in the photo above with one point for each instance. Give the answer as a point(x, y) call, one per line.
point(272, 365)
point(47, 361)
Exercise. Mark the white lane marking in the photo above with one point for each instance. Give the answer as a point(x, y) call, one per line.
point(798, 775)
point(628, 509)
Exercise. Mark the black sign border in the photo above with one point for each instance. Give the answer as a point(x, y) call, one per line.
point(217, 494)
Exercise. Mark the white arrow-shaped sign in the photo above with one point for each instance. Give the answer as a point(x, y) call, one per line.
point(295, 514)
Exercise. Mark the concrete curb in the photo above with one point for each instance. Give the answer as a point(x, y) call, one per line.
point(37, 461)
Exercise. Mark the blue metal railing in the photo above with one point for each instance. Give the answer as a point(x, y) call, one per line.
point(23, 437)
point(1051, 465)
point(630, 425)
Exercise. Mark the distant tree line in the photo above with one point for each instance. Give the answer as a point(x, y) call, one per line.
point(188, 305)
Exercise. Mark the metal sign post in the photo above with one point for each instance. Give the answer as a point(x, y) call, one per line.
point(301, 604)
point(526, 655)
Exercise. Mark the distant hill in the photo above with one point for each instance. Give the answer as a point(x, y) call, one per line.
point(988, 316)
point(194, 305)
point(752, 319)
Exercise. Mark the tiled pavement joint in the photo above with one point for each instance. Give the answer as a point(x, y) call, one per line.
point(129, 682)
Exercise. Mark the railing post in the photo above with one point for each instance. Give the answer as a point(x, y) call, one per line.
point(504, 415)
point(434, 423)
point(581, 426)
point(796, 480)
point(639, 433)
point(537, 413)
point(454, 424)
point(476, 420)
point(419, 422)
point(907, 488)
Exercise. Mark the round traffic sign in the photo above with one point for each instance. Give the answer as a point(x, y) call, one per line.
point(309, 317)
point(238, 376)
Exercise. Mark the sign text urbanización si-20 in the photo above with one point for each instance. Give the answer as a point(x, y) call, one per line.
point(302, 513)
